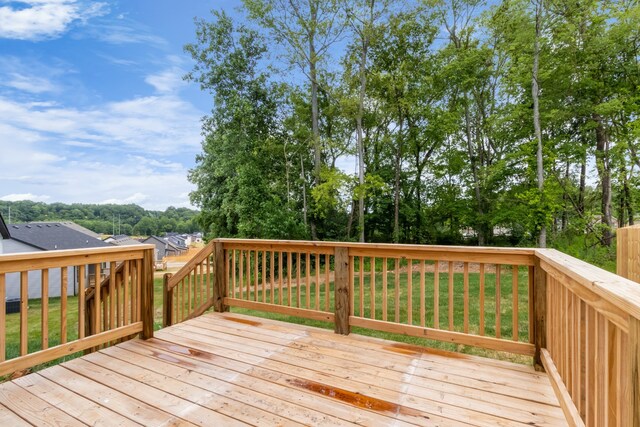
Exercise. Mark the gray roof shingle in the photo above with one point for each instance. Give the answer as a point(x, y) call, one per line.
point(51, 236)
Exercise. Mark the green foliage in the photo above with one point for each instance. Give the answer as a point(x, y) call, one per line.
point(449, 149)
point(105, 219)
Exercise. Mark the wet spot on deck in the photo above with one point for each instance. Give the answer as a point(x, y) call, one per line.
point(171, 359)
point(245, 321)
point(356, 399)
point(413, 350)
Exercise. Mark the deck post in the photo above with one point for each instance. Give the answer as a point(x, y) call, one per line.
point(341, 291)
point(146, 293)
point(634, 372)
point(167, 302)
point(219, 283)
point(539, 312)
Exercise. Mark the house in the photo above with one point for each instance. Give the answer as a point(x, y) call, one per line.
point(164, 248)
point(122, 240)
point(46, 236)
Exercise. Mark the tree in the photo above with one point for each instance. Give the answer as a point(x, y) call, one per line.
point(307, 29)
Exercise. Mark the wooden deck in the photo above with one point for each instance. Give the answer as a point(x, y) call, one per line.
point(228, 369)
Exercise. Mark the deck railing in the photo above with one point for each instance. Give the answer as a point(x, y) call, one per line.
point(122, 309)
point(580, 323)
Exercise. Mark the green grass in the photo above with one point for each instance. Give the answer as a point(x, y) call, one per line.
point(506, 302)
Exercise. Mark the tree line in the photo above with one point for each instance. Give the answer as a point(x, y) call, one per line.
point(104, 219)
point(440, 121)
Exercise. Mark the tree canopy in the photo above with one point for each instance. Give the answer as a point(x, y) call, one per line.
point(437, 121)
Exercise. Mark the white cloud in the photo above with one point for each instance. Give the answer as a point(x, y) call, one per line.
point(43, 19)
point(133, 151)
point(25, 196)
point(32, 84)
point(164, 125)
point(167, 81)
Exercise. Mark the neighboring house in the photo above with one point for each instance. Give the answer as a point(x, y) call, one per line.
point(122, 240)
point(164, 248)
point(45, 236)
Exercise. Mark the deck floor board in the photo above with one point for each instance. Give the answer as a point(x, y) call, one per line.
point(230, 369)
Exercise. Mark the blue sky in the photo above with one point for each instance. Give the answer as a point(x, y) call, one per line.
point(93, 108)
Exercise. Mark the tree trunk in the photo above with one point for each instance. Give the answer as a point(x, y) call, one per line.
point(317, 150)
point(304, 192)
point(542, 238)
point(396, 188)
point(474, 169)
point(604, 172)
point(583, 185)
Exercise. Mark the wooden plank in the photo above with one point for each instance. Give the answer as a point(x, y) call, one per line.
point(191, 264)
point(372, 289)
point(341, 291)
point(134, 408)
point(290, 311)
point(67, 349)
point(28, 261)
point(272, 268)
point(307, 287)
point(8, 418)
point(317, 287)
point(466, 297)
point(292, 246)
point(264, 381)
point(352, 285)
point(612, 312)
point(64, 272)
point(82, 303)
point(241, 275)
point(33, 409)
point(146, 294)
point(217, 411)
point(96, 326)
point(327, 284)
point(436, 295)
point(450, 295)
point(515, 314)
point(531, 312)
point(539, 313)
point(256, 394)
point(447, 253)
point(289, 277)
point(167, 303)
point(112, 295)
point(482, 292)
point(280, 277)
point(361, 286)
point(234, 267)
point(396, 290)
point(385, 295)
point(446, 336)
point(440, 404)
point(44, 309)
point(298, 279)
point(72, 401)
point(409, 291)
point(255, 275)
point(633, 360)
point(219, 285)
point(24, 312)
point(422, 295)
point(620, 292)
point(498, 299)
point(568, 407)
point(3, 318)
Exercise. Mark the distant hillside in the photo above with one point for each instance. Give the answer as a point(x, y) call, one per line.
point(104, 219)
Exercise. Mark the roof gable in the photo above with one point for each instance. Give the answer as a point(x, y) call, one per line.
point(50, 236)
point(4, 231)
